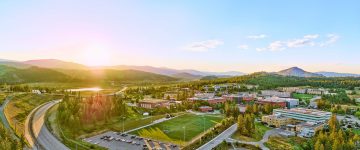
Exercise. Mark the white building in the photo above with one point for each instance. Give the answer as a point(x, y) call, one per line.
point(270, 93)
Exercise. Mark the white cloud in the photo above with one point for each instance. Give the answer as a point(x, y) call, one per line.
point(300, 43)
point(243, 47)
point(204, 45)
point(306, 40)
point(311, 36)
point(276, 46)
point(331, 39)
point(255, 37)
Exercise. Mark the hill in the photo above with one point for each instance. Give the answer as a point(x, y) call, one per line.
point(186, 76)
point(297, 72)
point(336, 74)
point(115, 75)
point(31, 74)
point(54, 64)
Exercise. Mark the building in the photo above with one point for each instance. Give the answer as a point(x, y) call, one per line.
point(289, 89)
point(273, 101)
point(207, 97)
point(308, 129)
point(170, 96)
point(240, 98)
point(36, 91)
point(270, 93)
point(301, 91)
point(277, 120)
point(154, 103)
point(210, 100)
point(291, 103)
point(317, 91)
point(303, 114)
point(279, 102)
point(205, 108)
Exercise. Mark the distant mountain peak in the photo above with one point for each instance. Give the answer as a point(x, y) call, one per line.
point(297, 72)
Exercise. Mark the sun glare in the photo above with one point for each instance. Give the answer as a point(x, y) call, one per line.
point(95, 56)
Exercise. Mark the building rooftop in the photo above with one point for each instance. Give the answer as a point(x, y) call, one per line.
point(306, 111)
point(153, 101)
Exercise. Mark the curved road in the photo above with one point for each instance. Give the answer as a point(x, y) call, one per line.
point(4, 119)
point(36, 131)
point(225, 135)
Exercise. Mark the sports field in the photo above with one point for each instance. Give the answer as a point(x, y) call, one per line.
point(174, 129)
point(305, 97)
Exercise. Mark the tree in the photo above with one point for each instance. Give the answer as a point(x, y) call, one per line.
point(317, 145)
point(336, 145)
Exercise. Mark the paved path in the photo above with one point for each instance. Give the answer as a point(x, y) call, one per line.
point(4, 119)
point(36, 131)
point(218, 139)
point(231, 130)
point(260, 143)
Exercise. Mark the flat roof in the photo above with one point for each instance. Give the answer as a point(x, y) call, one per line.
point(306, 111)
point(153, 101)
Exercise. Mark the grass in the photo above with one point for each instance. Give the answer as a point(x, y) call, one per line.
point(260, 130)
point(69, 137)
point(356, 131)
point(174, 130)
point(2, 97)
point(20, 106)
point(278, 143)
point(305, 97)
point(281, 143)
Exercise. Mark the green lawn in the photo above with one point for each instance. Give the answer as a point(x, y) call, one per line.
point(356, 131)
point(304, 97)
point(174, 128)
point(260, 130)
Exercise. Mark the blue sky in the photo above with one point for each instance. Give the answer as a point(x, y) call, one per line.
point(209, 35)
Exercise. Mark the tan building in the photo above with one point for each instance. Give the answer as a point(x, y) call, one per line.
point(170, 96)
point(154, 103)
point(277, 120)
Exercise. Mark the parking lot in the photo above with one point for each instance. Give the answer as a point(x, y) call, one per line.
point(118, 141)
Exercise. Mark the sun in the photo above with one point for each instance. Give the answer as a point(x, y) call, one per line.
point(95, 56)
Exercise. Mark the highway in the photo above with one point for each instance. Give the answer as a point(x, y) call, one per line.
point(36, 132)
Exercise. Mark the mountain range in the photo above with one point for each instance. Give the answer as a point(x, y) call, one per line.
point(54, 69)
point(59, 64)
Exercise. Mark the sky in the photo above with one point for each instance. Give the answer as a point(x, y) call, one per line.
point(211, 35)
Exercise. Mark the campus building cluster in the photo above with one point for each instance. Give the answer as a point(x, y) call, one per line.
point(301, 120)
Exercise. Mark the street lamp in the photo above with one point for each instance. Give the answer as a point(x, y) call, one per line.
point(123, 128)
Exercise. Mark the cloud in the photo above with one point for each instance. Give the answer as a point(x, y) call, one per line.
point(311, 36)
point(276, 46)
point(306, 40)
point(255, 37)
point(243, 47)
point(204, 45)
point(331, 39)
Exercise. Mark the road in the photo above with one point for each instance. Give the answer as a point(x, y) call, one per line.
point(231, 130)
point(36, 131)
point(260, 143)
point(4, 119)
point(218, 139)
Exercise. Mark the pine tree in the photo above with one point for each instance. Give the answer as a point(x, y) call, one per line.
point(317, 145)
point(336, 145)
